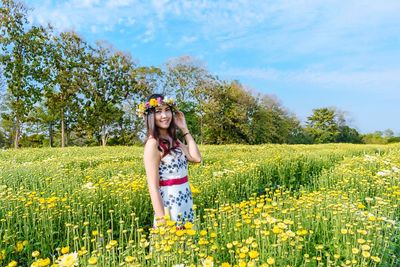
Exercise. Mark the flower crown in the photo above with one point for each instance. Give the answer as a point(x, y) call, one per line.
point(144, 108)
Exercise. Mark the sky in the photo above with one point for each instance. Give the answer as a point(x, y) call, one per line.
point(308, 54)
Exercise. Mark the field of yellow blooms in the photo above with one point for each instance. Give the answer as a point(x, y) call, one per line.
point(267, 205)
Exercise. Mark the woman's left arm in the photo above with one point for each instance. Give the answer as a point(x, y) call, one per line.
point(191, 150)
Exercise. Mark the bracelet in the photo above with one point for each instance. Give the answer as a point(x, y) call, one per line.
point(186, 134)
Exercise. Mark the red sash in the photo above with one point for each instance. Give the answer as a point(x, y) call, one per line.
point(174, 181)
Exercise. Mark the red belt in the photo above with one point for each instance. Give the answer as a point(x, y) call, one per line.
point(174, 181)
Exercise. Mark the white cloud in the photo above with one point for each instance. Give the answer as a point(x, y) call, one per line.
point(386, 80)
point(83, 3)
point(119, 3)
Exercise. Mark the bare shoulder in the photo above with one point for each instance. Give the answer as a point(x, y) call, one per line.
point(151, 142)
point(151, 145)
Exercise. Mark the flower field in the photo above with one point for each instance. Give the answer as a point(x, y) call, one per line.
point(269, 205)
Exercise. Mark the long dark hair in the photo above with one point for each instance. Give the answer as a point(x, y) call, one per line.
point(152, 129)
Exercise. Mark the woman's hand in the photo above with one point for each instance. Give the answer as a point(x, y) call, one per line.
point(180, 120)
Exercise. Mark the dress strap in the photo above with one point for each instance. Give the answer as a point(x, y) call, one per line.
point(165, 147)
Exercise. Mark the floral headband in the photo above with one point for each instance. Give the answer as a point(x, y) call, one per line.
point(144, 108)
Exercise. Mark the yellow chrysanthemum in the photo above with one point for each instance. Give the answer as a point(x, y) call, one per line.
point(92, 260)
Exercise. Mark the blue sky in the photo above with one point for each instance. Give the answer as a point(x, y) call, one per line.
point(308, 54)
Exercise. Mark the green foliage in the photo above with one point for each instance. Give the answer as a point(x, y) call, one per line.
point(378, 137)
point(110, 82)
point(322, 125)
point(349, 135)
point(62, 91)
point(18, 58)
point(227, 115)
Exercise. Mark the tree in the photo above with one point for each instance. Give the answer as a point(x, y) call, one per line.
point(323, 126)
point(374, 138)
point(112, 79)
point(64, 78)
point(189, 81)
point(349, 135)
point(227, 115)
point(18, 57)
point(388, 133)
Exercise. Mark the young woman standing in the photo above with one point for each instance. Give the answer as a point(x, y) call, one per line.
point(166, 160)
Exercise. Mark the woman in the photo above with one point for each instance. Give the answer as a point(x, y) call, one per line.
point(166, 160)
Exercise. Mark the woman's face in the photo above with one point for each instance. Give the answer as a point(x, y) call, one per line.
point(163, 116)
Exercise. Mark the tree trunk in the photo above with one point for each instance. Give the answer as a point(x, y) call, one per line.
point(103, 135)
point(62, 128)
point(201, 129)
point(51, 133)
point(17, 133)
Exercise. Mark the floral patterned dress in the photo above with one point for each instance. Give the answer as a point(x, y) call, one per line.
point(174, 185)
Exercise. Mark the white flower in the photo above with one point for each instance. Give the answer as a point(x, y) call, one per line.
point(208, 263)
point(69, 260)
point(395, 169)
point(88, 186)
point(369, 158)
point(369, 199)
point(383, 173)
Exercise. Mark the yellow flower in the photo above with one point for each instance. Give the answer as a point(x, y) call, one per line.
point(270, 260)
point(375, 259)
point(113, 243)
point(355, 250)
point(95, 232)
point(12, 264)
point(225, 264)
point(360, 241)
point(69, 260)
point(92, 260)
point(302, 232)
point(208, 262)
point(253, 254)
point(19, 247)
point(180, 233)
point(153, 102)
point(188, 225)
point(194, 190)
point(244, 249)
point(129, 259)
point(277, 230)
point(65, 250)
point(365, 247)
point(35, 254)
point(191, 232)
point(169, 222)
point(44, 262)
point(366, 254)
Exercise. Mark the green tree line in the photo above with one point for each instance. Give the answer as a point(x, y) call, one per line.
point(59, 90)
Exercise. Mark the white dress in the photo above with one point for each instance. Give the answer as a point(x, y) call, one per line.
point(174, 185)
